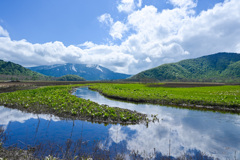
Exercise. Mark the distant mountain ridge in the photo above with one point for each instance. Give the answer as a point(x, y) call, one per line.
point(88, 72)
point(13, 71)
point(219, 67)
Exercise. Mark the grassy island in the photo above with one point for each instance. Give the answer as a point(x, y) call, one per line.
point(59, 101)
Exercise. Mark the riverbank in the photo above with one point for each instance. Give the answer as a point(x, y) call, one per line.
point(59, 101)
point(178, 128)
point(200, 96)
point(214, 97)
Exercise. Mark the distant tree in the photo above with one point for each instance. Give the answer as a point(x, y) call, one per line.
point(70, 78)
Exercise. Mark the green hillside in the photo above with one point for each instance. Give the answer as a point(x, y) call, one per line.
point(220, 67)
point(12, 71)
point(233, 70)
point(70, 77)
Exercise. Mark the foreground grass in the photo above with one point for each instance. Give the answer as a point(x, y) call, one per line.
point(215, 97)
point(58, 100)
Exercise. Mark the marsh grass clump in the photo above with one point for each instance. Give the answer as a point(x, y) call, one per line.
point(58, 100)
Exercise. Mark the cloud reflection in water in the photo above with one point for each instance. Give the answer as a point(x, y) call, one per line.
point(212, 133)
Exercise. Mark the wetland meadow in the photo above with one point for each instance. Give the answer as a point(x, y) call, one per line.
point(121, 121)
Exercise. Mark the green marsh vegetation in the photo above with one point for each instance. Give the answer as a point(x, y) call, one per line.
point(58, 100)
point(226, 98)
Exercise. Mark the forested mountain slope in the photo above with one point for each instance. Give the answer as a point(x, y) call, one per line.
point(219, 67)
point(13, 71)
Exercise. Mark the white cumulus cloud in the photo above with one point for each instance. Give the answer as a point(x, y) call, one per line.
point(139, 4)
point(3, 32)
point(117, 30)
point(106, 19)
point(183, 3)
point(126, 6)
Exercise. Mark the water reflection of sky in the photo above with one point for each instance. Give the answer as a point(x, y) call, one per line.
point(214, 134)
point(32, 128)
point(13, 115)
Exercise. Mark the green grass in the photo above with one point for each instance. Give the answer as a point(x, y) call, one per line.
point(224, 96)
point(59, 101)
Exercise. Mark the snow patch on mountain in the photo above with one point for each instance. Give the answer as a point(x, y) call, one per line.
point(90, 65)
point(73, 68)
point(99, 68)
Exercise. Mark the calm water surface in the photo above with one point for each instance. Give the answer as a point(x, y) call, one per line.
point(178, 131)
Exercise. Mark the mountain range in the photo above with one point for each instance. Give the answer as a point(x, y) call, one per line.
point(219, 67)
point(88, 72)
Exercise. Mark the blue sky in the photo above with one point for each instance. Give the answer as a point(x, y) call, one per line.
point(71, 22)
point(126, 36)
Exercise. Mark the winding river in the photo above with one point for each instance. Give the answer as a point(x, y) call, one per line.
point(178, 131)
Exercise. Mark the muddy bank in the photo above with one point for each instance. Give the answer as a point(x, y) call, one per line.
point(13, 88)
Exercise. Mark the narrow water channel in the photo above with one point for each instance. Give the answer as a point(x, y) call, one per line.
point(179, 131)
